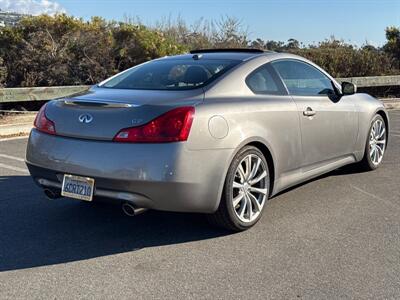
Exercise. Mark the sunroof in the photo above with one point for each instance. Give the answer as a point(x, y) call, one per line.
point(243, 50)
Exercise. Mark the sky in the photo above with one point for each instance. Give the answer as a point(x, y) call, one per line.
point(309, 21)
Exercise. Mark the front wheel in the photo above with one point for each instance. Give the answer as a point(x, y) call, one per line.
point(245, 192)
point(375, 146)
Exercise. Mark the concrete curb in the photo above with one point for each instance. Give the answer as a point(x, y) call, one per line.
point(16, 125)
point(391, 104)
point(15, 129)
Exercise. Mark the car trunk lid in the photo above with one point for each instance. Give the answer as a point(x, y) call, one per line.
point(101, 113)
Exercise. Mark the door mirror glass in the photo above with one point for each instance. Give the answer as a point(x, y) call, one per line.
point(348, 88)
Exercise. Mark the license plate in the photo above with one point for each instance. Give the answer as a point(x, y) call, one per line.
point(78, 187)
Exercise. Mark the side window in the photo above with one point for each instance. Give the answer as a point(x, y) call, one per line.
point(303, 79)
point(262, 81)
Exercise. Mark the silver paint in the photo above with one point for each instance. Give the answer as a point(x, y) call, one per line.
point(189, 176)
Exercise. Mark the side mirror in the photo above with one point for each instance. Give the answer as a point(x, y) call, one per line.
point(348, 88)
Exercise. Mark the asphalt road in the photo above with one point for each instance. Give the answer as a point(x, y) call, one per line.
point(335, 237)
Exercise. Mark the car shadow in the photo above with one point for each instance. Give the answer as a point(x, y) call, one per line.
point(35, 231)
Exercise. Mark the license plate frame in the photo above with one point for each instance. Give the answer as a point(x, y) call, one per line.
point(77, 187)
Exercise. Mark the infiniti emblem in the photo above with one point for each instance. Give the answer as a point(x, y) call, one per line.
point(85, 118)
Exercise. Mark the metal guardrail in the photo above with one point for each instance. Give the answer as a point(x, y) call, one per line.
point(48, 93)
point(39, 93)
point(373, 81)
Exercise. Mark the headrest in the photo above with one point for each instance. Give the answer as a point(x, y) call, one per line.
point(196, 75)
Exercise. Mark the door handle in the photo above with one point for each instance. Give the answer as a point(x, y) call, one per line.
point(309, 112)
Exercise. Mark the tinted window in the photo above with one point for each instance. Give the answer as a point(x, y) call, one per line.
point(303, 79)
point(262, 81)
point(171, 74)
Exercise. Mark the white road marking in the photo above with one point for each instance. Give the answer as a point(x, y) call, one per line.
point(21, 170)
point(14, 138)
point(395, 205)
point(12, 157)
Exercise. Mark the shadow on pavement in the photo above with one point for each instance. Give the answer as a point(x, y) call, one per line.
point(37, 232)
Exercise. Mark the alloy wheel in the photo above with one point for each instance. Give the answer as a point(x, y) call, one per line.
point(250, 188)
point(377, 141)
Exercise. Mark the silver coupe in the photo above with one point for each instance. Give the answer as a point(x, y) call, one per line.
point(213, 131)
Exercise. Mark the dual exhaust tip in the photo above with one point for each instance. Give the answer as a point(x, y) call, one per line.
point(128, 208)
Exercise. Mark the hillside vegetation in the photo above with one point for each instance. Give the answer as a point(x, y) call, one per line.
point(63, 50)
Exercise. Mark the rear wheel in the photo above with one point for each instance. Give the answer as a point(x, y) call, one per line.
point(375, 145)
point(245, 192)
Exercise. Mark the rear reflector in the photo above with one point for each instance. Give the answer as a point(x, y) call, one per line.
point(42, 123)
point(173, 126)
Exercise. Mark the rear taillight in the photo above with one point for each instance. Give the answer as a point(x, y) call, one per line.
point(173, 126)
point(42, 123)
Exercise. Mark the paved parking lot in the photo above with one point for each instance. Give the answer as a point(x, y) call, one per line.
point(335, 237)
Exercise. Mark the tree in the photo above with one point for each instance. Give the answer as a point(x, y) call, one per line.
point(258, 44)
point(228, 32)
point(63, 50)
point(292, 44)
point(392, 46)
point(3, 73)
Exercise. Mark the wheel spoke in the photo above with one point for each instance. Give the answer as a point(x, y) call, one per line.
point(381, 132)
point(249, 207)
point(237, 185)
point(378, 129)
point(257, 190)
point(254, 200)
point(241, 173)
point(242, 209)
point(258, 178)
point(372, 134)
point(372, 153)
point(382, 142)
point(375, 155)
point(255, 169)
point(237, 199)
point(380, 150)
point(247, 162)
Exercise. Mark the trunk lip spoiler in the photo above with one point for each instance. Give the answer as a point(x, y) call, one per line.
point(95, 103)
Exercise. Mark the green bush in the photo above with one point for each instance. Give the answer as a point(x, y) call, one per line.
point(63, 50)
point(343, 60)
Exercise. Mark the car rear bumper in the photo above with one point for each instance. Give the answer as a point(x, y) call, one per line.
point(157, 176)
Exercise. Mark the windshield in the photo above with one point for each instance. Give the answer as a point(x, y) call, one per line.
point(171, 74)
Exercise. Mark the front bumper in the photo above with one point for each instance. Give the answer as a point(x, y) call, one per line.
point(157, 176)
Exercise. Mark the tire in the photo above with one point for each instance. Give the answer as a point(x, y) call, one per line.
point(377, 140)
point(245, 186)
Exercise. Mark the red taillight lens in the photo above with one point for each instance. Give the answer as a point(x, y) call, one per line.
point(42, 123)
point(173, 126)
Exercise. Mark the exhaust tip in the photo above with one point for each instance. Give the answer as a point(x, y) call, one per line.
point(51, 195)
point(130, 210)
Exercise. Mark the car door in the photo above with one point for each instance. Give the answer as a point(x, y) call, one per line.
point(328, 122)
point(277, 113)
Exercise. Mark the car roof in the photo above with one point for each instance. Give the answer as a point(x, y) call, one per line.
point(234, 54)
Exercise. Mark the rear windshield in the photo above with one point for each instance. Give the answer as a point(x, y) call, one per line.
point(171, 74)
